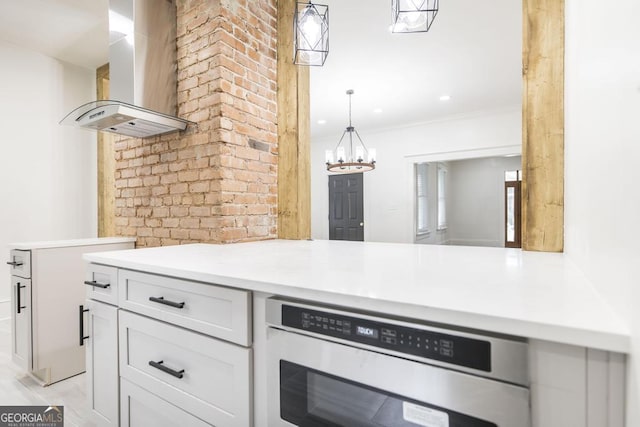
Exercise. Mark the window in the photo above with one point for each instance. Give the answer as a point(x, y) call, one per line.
point(442, 197)
point(422, 202)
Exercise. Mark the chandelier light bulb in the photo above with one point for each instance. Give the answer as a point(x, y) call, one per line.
point(372, 155)
point(311, 28)
point(328, 156)
point(413, 18)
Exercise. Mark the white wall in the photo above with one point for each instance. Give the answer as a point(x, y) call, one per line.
point(47, 171)
point(476, 202)
point(602, 171)
point(388, 191)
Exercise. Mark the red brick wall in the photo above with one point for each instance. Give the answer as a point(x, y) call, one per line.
point(215, 182)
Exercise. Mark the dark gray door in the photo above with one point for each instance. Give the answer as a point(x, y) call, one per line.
point(346, 216)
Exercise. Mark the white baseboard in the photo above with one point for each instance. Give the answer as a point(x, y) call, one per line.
point(5, 309)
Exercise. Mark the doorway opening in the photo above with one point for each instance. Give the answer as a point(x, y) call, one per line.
point(346, 207)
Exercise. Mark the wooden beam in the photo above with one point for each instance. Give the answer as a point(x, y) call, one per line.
point(106, 165)
point(294, 177)
point(543, 126)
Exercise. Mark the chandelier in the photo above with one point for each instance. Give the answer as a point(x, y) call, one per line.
point(311, 34)
point(350, 159)
point(413, 16)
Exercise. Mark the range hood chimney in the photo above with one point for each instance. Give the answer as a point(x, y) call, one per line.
point(142, 73)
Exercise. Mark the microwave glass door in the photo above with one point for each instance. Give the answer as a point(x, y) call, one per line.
point(310, 398)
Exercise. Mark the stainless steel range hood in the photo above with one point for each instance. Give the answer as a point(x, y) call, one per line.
point(142, 73)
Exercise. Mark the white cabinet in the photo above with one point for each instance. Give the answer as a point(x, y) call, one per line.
point(48, 285)
point(141, 408)
point(101, 283)
point(20, 263)
point(21, 321)
point(101, 332)
point(213, 310)
point(208, 378)
point(101, 338)
point(575, 386)
point(185, 355)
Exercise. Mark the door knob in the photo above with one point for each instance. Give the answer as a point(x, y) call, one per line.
point(362, 224)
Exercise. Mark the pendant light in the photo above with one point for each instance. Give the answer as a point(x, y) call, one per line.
point(350, 158)
point(413, 16)
point(311, 34)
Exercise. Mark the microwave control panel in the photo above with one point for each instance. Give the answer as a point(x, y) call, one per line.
point(457, 350)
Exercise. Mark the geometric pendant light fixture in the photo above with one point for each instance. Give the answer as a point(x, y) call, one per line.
point(413, 16)
point(311, 34)
point(352, 156)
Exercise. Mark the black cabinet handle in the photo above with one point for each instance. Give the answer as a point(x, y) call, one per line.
point(96, 284)
point(14, 263)
point(82, 336)
point(159, 365)
point(161, 300)
point(19, 305)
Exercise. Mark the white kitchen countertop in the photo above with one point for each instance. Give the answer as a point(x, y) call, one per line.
point(529, 294)
point(25, 246)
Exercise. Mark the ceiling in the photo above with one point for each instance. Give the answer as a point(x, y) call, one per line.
point(471, 53)
point(75, 31)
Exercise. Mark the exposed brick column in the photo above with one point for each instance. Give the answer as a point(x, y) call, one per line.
point(215, 182)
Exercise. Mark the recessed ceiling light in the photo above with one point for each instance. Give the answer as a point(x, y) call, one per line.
point(378, 110)
point(321, 122)
point(445, 98)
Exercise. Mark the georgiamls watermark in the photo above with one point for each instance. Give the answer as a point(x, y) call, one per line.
point(31, 416)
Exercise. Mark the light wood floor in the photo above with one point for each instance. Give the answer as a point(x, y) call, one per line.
point(17, 388)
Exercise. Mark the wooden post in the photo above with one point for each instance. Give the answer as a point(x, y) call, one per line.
point(294, 176)
point(106, 165)
point(543, 126)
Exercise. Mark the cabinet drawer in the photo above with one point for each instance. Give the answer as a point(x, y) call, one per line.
point(206, 377)
point(20, 263)
point(141, 408)
point(101, 283)
point(213, 310)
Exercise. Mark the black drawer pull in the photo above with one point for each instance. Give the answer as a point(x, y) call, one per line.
point(96, 284)
point(82, 336)
point(14, 263)
point(159, 365)
point(19, 305)
point(161, 300)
